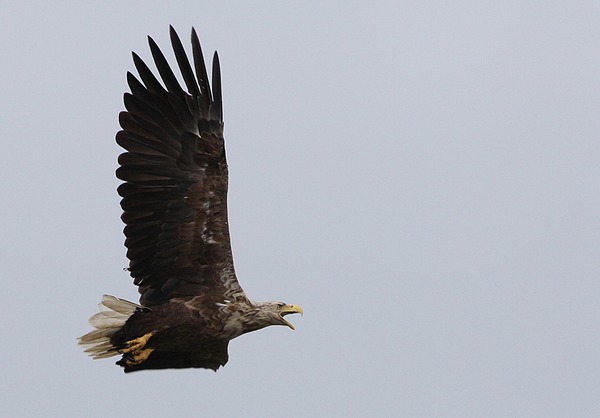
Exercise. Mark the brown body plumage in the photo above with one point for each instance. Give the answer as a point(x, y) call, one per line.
point(174, 199)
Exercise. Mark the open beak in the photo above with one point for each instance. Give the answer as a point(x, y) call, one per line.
point(290, 309)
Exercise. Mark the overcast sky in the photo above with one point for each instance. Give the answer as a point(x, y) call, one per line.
point(421, 177)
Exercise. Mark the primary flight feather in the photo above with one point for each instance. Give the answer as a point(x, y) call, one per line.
point(174, 201)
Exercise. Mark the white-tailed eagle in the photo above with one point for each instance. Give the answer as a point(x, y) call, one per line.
point(174, 201)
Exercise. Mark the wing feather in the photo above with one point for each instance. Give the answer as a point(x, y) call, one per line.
point(164, 69)
point(201, 74)
point(184, 64)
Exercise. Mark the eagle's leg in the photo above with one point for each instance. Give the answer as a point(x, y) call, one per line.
point(135, 351)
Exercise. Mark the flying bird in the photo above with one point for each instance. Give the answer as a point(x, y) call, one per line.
point(174, 201)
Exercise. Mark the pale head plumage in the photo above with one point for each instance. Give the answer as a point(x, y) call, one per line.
point(264, 314)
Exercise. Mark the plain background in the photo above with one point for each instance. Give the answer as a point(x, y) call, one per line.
point(421, 177)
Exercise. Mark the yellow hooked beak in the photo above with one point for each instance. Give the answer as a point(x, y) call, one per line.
point(290, 309)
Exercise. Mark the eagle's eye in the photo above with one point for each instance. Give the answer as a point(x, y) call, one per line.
point(280, 305)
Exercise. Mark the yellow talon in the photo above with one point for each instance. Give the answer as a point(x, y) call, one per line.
point(138, 357)
point(135, 351)
point(135, 345)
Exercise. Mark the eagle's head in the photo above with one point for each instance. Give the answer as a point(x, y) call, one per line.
point(265, 314)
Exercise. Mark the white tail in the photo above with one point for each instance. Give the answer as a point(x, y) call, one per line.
point(114, 312)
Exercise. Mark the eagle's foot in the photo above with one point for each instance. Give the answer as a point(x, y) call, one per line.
point(135, 351)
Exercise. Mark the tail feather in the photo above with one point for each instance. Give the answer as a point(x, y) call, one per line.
point(106, 319)
point(117, 305)
point(114, 312)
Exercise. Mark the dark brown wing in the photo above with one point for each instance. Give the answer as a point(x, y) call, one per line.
point(175, 180)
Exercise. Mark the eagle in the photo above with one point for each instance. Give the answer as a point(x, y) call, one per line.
point(174, 201)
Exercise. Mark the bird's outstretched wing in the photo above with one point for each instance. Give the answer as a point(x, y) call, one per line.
point(174, 194)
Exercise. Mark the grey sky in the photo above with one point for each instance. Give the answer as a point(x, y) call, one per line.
point(421, 177)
